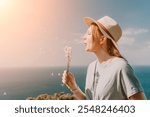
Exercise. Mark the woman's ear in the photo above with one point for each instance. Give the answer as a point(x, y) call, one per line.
point(102, 40)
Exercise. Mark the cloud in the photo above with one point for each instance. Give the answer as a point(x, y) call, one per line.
point(148, 44)
point(134, 45)
point(134, 31)
point(126, 41)
point(130, 36)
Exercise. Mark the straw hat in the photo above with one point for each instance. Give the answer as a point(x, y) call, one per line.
point(108, 26)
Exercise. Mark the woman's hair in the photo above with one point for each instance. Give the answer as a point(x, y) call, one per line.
point(111, 49)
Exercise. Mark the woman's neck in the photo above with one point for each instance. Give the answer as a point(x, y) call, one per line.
point(103, 56)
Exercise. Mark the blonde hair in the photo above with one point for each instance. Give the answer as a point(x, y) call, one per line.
point(111, 49)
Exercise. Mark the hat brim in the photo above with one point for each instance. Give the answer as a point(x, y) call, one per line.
point(88, 21)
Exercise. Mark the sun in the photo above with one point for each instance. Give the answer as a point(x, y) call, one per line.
point(4, 3)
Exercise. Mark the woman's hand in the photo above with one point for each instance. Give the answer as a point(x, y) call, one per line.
point(69, 80)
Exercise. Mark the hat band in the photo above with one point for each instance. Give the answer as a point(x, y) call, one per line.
point(103, 27)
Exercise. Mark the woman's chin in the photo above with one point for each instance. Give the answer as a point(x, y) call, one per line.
point(88, 50)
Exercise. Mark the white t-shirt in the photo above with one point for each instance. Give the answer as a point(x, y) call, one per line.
point(113, 80)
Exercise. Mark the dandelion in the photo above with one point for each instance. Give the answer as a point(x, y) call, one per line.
point(4, 94)
point(68, 54)
point(52, 74)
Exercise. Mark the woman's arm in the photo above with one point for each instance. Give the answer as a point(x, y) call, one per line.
point(78, 94)
point(138, 96)
point(69, 80)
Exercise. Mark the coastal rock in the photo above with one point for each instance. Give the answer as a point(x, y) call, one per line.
point(55, 96)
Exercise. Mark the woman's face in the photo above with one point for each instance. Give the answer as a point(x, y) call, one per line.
point(91, 45)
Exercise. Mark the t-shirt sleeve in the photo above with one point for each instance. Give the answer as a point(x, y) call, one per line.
point(129, 81)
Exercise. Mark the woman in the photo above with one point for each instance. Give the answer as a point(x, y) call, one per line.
point(110, 77)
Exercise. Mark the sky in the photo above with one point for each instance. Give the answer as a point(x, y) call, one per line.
point(33, 33)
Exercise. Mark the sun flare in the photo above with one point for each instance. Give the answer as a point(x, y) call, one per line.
point(4, 3)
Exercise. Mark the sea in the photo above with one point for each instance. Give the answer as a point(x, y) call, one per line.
point(20, 83)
